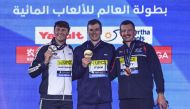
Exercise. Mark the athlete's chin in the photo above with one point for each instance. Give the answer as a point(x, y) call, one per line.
point(95, 40)
point(129, 40)
point(61, 40)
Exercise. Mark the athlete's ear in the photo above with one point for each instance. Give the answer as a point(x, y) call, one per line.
point(135, 32)
point(67, 33)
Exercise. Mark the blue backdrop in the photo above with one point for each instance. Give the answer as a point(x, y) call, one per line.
point(18, 19)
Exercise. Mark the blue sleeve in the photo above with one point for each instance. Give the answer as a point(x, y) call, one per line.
point(115, 67)
point(156, 69)
point(37, 66)
point(77, 69)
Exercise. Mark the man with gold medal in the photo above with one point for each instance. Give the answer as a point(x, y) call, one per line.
point(92, 64)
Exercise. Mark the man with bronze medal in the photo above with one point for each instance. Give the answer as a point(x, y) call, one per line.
point(91, 67)
point(137, 66)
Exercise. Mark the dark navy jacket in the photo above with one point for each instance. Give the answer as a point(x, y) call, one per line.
point(146, 69)
point(94, 87)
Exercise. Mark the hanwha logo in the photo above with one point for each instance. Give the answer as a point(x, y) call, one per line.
point(108, 35)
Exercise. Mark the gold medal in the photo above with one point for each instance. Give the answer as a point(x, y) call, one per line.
point(88, 54)
point(128, 71)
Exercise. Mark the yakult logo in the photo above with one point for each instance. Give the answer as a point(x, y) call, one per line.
point(44, 35)
point(73, 35)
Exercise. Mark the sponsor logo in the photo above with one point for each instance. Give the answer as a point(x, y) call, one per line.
point(78, 35)
point(44, 35)
point(25, 54)
point(164, 54)
point(112, 35)
point(144, 33)
point(64, 62)
point(99, 62)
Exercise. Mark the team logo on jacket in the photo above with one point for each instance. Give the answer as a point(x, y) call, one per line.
point(70, 53)
point(55, 56)
point(120, 51)
point(133, 65)
point(64, 68)
point(98, 68)
point(105, 54)
point(138, 50)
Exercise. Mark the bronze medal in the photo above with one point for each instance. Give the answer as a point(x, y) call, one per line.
point(128, 71)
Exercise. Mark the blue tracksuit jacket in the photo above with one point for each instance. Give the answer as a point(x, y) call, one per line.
point(145, 68)
point(94, 85)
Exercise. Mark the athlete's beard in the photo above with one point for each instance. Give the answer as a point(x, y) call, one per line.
point(61, 42)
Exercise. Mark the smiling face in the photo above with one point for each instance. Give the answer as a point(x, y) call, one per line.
point(61, 34)
point(61, 31)
point(94, 32)
point(127, 32)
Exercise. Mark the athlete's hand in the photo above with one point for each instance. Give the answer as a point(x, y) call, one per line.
point(47, 56)
point(162, 101)
point(86, 62)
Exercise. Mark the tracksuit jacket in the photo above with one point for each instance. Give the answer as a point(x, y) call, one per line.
point(56, 81)
point(94, 84)
point(145, 68)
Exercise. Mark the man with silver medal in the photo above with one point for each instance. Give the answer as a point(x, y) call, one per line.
point(54, 63)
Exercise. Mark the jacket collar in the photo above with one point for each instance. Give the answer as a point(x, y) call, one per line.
point(53, 42)
point(88, 45)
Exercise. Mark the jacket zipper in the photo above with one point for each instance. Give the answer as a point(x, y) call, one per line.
point(98, 92)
